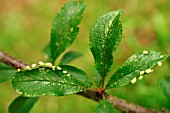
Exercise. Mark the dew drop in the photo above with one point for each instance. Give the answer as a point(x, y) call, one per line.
point(61, 81)
point(72, 83)
point(102, 45)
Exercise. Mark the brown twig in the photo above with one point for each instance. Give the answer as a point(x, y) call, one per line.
point(11, 61)
point(91, 94)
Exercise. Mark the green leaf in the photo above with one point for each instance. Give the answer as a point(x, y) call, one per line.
point(22, 104)
point(6, 72)
point(78, 75)
point(47, 52)
point(135, 67)
point(165, 87)
point(69, 56)
point(97, 79)
point(104, 107)
point(45, 81)
point(65, 27)
point(105, 36)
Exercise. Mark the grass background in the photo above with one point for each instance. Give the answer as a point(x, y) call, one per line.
point(25, 31)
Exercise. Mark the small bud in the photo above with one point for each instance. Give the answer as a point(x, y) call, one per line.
point(145, 52)
point(133, 80)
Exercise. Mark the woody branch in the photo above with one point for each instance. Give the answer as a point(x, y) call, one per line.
point(91, 94)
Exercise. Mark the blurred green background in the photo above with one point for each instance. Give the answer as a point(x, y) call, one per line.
point(25, 30)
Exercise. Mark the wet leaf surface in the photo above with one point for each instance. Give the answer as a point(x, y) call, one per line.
point(6, 72)
point(135, 68)
point(105, 36)
point(65, 27)
point(22, 104)
point(69, 56)
point(104, 107)
point(165, 87)
point(78, 75)
point(45, 81)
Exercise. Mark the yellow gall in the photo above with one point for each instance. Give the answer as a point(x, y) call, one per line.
point(133, 80)
point(140, 77)
point(27, 67)
point(142, 72)
point(149, 70)
point(48, 64)
point(159, 63)
point(33, 65)
point(59, 68)
point(41, 63)
point(161, 56)
point(145, 52)
point(18, 70)
point(64, 72)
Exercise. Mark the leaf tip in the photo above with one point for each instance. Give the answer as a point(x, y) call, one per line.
point(121, 11)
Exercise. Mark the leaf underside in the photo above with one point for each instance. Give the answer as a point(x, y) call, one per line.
point(97, 79)
point(45, 81)
point(22, 104)
point(165, 87)
point(104, 107)
point(6, 72)
point(105, 36)
point(78, 75)
point(133, 66)
point(69, 56)
point(65, 27)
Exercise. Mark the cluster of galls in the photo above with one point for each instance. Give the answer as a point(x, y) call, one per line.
point(41, 65)
point(147, 71)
